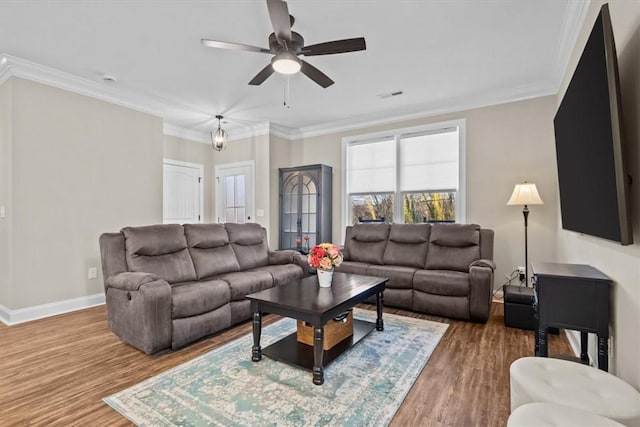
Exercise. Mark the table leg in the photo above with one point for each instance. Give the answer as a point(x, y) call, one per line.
point(542, 341)
point(256, 351)
point(379, 305)
point(584, 347)
point(603, 353)
point(318, 340)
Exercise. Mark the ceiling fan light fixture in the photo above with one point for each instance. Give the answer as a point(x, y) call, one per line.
point(286, 63)
point(219, 137)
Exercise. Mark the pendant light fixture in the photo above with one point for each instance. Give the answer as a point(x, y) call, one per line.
point(219, 137)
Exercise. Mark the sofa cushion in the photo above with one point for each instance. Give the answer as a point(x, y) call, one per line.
point(373, 232)
point(206, 236)
point(441, 305)
point(249, 244)
point(194, 298)
point(160, 250)
point(247, 282)
point(407, 245)
point(399, 277)
point(354, 267)
point(453, 246)
point(282, 273)
point(210, 249)
point(368, 242)
point(442, 282)
point(154, 240)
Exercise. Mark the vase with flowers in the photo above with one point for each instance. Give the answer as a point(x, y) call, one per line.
point(324, 257)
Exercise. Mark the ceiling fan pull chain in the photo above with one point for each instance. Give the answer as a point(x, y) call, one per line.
point(287, 93)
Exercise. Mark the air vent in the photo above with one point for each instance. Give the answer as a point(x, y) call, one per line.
point(390, 94)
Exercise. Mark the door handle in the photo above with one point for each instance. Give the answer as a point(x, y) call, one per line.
point(249, 218)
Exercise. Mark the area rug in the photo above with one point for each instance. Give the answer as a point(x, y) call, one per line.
point(365, 386)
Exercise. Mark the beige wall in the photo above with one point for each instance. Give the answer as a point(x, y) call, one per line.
point(79, 167)
point(194, 152)
point(6, 126)
point(621, 263)
point(505, 144)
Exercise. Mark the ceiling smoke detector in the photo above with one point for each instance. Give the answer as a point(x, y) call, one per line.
point(109, 78)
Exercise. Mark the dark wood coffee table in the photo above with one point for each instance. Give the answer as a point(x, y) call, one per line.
point(304, 300)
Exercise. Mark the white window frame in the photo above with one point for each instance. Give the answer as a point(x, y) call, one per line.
point(397, 134)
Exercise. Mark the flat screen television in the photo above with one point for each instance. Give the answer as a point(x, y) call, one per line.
point(594, 185)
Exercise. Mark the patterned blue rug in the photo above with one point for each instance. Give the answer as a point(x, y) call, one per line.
point(364, 387)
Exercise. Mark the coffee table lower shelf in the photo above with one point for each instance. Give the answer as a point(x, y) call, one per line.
point(290, 351)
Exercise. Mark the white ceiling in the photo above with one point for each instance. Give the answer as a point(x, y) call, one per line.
point(444, 55)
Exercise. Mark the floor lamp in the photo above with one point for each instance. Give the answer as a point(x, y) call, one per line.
point(525, 194)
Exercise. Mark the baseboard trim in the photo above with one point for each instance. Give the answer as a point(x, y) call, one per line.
point(13, 317)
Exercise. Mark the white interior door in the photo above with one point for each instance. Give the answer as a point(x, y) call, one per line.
point(182, 192)
point(235, 192)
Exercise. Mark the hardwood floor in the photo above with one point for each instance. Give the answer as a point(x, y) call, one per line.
point(56, 371)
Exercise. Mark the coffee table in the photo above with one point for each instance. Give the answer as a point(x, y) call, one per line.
point(304, 300)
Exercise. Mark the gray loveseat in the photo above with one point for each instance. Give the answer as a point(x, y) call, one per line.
point(441, 269)
point(168, 285)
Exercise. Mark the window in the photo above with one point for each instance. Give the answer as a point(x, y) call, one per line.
point(408, 175)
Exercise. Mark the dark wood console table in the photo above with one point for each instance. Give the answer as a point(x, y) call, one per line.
point(572, 296)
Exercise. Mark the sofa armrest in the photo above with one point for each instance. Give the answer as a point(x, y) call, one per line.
point(139, 310)
point(130, 281)
point(481, 281)
point(484, 263)
point(281, 257)
point(288, 256)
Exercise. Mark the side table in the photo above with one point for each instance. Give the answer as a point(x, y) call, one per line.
point(572, 296)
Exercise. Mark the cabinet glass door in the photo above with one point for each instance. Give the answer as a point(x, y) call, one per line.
point(290, 232)
point(308, 211)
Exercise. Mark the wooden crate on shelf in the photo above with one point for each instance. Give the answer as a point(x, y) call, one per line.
point(334, 331)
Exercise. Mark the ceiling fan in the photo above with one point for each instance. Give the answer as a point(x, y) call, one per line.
point(286, 46)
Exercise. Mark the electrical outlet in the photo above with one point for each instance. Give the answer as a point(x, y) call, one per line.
point(92, 273)
point(521, 274)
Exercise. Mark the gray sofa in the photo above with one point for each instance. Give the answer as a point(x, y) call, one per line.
point(168, 285)
point(441, 269)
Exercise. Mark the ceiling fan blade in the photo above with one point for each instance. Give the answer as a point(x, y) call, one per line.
point(233, 46)
point(316, 75)
point(279, 14)
point(337, 46)
point(262, 76)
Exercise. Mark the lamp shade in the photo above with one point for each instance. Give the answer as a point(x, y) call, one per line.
point(525, 194)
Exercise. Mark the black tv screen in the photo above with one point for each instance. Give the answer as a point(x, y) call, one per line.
point(589, 146)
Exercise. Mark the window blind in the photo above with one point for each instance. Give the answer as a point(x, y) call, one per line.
point(429, 162)
point(371, 167)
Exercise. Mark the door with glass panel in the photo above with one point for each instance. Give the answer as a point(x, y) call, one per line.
point(234, 193)
point(305, 207)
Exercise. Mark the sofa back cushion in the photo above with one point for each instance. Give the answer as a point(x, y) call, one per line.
point(160, 250)
point(367, 242)
point(453, 246)
point(249, 243)
point(210, 249)
point(407, 245)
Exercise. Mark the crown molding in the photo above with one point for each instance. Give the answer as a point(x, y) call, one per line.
point(519, 93)
point(573, 21)
point(11, 66)
point(235, 133)
point(185, 133)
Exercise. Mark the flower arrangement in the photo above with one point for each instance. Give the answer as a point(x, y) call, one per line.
point(325, 256)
